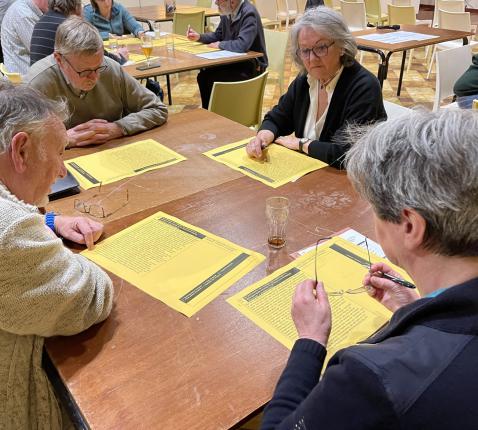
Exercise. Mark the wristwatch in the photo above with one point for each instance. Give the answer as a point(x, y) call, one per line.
point(302, 142)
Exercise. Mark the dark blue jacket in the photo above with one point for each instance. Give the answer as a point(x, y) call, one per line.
point(419, 372)
point(243, 34)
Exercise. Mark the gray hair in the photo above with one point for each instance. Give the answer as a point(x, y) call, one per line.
point(65, 7)
point(427, 162)
point(76, 36)
point(324, 20)
point(24, 109)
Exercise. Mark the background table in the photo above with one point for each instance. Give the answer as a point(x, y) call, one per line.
point(148, 366)
point(158, 13)
point(379, 47)
point(177, 61)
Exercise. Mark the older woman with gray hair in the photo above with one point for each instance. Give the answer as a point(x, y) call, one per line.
point(331, 91)
point(419, 172)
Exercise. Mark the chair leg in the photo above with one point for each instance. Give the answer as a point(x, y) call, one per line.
point(409, 65)
point(432, 59)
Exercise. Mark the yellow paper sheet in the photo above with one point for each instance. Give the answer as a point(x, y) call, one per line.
point(124, 41)
point(278, 166)
point(139, 58)
point(178, 39)
point(195, 48)
point(341, 265)
point(183, 266)
point(111, 165)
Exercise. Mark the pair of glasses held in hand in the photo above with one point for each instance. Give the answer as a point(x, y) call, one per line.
point(361, 289)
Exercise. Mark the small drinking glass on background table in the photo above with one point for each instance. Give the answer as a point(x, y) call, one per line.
point(277, 213)
point(157, 29)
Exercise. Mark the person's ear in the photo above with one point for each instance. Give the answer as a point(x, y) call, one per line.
point(414, 228)
point(20, 150)
point(58, 58)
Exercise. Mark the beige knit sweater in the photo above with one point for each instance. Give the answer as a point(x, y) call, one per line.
point(45, 290)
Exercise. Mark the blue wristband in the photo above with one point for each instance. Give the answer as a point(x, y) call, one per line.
point(50, 220)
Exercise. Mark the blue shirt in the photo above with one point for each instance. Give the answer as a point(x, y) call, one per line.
point(121, 21)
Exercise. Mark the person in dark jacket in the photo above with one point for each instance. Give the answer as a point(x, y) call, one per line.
point(331, 92)
point(419, 371)
point(43, 36)
point(240, 30)
point(467, 84)
point(313, 3)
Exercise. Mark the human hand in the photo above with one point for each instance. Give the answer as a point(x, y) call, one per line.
point(93, 132)
point(79, 229)
point(311, 312)
point(390, 294)
point(123, 51)
point(214, 45)
point(290, 142)
point(263, 139)
point(192, 35)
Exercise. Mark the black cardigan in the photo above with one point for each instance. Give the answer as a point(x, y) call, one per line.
point(357, 99)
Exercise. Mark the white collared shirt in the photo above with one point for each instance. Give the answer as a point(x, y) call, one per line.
point(235, 11)
point(313, 126)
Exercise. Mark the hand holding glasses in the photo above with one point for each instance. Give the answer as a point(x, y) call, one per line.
point(361, 289)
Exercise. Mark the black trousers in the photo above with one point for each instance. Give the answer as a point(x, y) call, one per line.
point(230, 73)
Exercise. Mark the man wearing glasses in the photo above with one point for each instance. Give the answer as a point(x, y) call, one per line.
point(104, 101)
point(240, 30)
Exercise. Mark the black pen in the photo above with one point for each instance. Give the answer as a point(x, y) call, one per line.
point(399, 281)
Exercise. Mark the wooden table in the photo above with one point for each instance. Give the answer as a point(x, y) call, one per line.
point(148, 366)
point(177, 61)
point(379, 47)
point(158, 13)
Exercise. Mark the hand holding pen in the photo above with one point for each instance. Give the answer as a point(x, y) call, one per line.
point(385, 286)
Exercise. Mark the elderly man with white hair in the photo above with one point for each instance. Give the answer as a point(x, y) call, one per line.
point(240, 30)
point(419, 172)
point(45, 289)
point(105, 102)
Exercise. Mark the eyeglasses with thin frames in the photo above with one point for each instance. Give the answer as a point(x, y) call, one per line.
point(318, 50)
point(97, 209)
point(338, 293)
point(86, 73)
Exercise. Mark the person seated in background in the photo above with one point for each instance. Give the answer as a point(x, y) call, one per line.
point(313, 3)
point(111, 17)
point(17, 29)
point(43, 37)
point(45, 289)
point(467, 84)
point(240, 30)
point(419, 371)
point(331, 91)
point(106, 102)
point(4, 5)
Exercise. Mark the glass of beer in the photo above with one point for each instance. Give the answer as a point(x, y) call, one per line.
point(147, 46)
